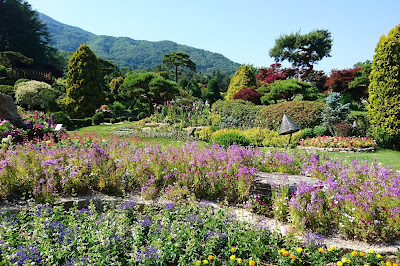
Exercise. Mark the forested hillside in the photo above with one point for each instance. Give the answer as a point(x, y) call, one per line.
point(136, 54)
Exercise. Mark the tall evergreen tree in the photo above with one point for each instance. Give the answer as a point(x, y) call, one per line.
point(84, 89)
point(243, 78)
point(384, 88)
point(22, 31)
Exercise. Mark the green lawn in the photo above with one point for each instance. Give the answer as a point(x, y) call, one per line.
point(102, 130)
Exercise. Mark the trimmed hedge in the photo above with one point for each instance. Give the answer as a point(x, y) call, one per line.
point(228, 139)
point(98, 118)
point(7, 89)
point(85, 122)
point(303, 113)
point(62, 118)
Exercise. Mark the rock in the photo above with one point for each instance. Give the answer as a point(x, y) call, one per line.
point(8, 110)
point(191, 131)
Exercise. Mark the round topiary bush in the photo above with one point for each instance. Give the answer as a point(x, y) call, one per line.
point(62, 118)
point(230, 139)
point(98, 118)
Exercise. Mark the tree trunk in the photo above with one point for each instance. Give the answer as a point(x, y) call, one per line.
point(176, 74)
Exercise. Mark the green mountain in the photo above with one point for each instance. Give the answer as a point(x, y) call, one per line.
point(136, 54)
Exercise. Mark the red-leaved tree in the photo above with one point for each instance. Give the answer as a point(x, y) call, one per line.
point(275, 72)
point(339, 79)
point(248, 94)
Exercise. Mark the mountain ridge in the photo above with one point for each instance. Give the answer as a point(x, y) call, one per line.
point(128, 52)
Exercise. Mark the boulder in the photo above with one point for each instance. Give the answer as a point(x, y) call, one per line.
point(8, 110)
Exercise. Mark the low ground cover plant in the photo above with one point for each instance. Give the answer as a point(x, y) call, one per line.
point(169, 234)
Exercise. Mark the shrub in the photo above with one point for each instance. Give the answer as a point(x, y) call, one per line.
point(204, 134)
point(86, 122)
point(35, 93)
point(308, 132)
point(248, 94)
point(335, 112)
point(344, 130)
point(239, 111)
point(98, 118)
point(319, 131)
point(273, 139)
point(383, 139)
point(113, 120)
point(62, 118)
point(7, 89)
point(130, 119)
point(303, 113)
point(20, 81)
point(230, 139)
point(243, 78)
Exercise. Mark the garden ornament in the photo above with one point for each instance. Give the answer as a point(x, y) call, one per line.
point(288, 127)
point(355, 125)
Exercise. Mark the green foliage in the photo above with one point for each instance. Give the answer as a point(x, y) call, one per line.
point(303, 113)
point(319, 131)
point(118, 108)
point(98, 118)
point(204, 134)
point(243, 78)
point(237, 110)
point(308, 133)
point(149, 87)
point(62, 118)
point(303, 50)
point(176, 60)
point(287, 90)
point(7, 89)
point(22, 31)
point(115, 83)
point(35, 94)
point(228, 139)
point(141, 115)
point(335, 113)
point(213, 92)
point(84, 90)
point(194, 89)
point(358, 88)
point(20, 81)
point(85, 122)
point(384, 89)
point(3, 71)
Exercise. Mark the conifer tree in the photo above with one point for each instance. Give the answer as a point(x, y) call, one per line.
point(384, 89)
point(243, 78)
point(84, 90)
point(213, 93)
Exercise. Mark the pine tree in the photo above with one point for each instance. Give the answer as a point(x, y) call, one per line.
point(243, 78)
point(84, 90)
point(384, 89)
point(213, 93)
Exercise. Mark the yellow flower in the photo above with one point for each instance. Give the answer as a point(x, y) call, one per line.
point(205, 261)
point(293, 257)
point(233, 250)
point(332, 248)
point(299, 250)
point(362, 254)
point(354, 253)
point(252, 263)
point(239, 260)
point(285, 253)
point(198, 262)
point(344, 259)
point(321, 250)
point(211, 257)
point(378, 256)
point(366, 264)
point(232, 257)
point(395, 264)
point(388, 263)
point(371, 251)
point(339, 263)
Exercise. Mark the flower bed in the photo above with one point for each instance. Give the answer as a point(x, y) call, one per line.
point(339, 142)
point(170, 234)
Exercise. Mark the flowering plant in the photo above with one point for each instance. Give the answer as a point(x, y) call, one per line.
point(338, 142)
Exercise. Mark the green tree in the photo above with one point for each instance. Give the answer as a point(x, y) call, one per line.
point(84, 90)
point(115, 83)
point(176, 60)
point(243, 78)
point(287, 90)
point(384, 88)
point(213, 93)
point(149, 87)
point(194, 89)
point(303, 50)
point(22, 31)
point(358, 88)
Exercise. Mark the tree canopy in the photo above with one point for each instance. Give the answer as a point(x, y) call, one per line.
point(149, 87)
point(176, 60)
point(287, 90)
point(303, 50)
point(22, 31)
point(243, 78)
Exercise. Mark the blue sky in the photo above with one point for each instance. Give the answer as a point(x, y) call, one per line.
point(243, 31)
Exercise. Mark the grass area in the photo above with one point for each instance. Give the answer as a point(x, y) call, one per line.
point(102, 130)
